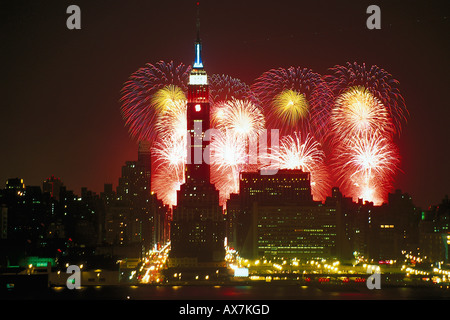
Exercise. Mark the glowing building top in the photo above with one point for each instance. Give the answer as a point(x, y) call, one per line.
point(198, 64)
point(198, 75)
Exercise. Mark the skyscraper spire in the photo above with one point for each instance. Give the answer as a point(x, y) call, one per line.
point(197, 228)
point(198, 21)
point(198, 63)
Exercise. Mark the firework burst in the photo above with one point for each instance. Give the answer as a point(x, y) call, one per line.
point(238, 124)
point(367, 113)
point(377, 81)
point(357, 111)
point(228, 158)
point(139, 105)
point(173, 121)
point(166, 182)
point(226, 88)
point(294, 99)
point(166, 98)
point(365, 166)
point(169, 154)
point(305, 154)
point(243, 118)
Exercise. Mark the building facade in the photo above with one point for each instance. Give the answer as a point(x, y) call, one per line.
point(197, 230)
point(276, 216)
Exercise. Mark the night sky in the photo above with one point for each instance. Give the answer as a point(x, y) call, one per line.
point(60, 88)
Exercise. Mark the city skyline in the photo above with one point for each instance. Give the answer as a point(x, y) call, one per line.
point(272, 151)
point(62, 149)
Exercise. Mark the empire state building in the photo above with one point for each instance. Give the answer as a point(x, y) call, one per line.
point(198, 228)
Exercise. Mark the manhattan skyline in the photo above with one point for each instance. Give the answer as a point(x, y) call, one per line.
point(61, 114)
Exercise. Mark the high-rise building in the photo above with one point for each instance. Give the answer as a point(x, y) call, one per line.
point(144, 159)
point(275, 216)
point(52, 185)
point(434, 233)
point(287, 187)
point(3, 222)
point(197, 229)
point(293, 231)
point(130, 218)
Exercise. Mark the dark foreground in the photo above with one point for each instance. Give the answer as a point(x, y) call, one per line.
point(270, 291)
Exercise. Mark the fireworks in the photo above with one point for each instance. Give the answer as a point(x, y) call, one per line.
point(228, 159)
point(377, 81)
point(173, 121)
point(154, 108)
point(357, 111)
point(368, 111)
point(225, 88)
point(166, 97)
point(169, 149)
point(140, 107)
point(338, 127)
point(307, 155)
point(239, 124)
point(291, 106)
point(365, 166)
point(241, 117)
point(166, 182)
point(294, 99)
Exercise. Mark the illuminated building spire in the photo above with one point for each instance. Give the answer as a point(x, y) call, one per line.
point(197, 230)
point(198, 74)
point(198, 63)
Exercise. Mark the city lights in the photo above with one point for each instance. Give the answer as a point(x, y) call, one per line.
point(274, 181)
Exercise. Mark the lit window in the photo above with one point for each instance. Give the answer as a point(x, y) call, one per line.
point(198, 107)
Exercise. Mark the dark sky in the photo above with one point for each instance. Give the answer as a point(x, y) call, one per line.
point(60, 88)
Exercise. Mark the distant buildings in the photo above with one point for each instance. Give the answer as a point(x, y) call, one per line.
point(134, 218)
point(54, 222)
point(52, 185)
point(275, 217)
point(434, 232)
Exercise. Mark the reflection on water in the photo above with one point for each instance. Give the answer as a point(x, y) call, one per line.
point(253, 292)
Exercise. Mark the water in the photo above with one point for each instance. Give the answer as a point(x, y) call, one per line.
point(279, 301)
point(231, 292)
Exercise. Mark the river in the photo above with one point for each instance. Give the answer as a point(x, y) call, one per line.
point(270, 291)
